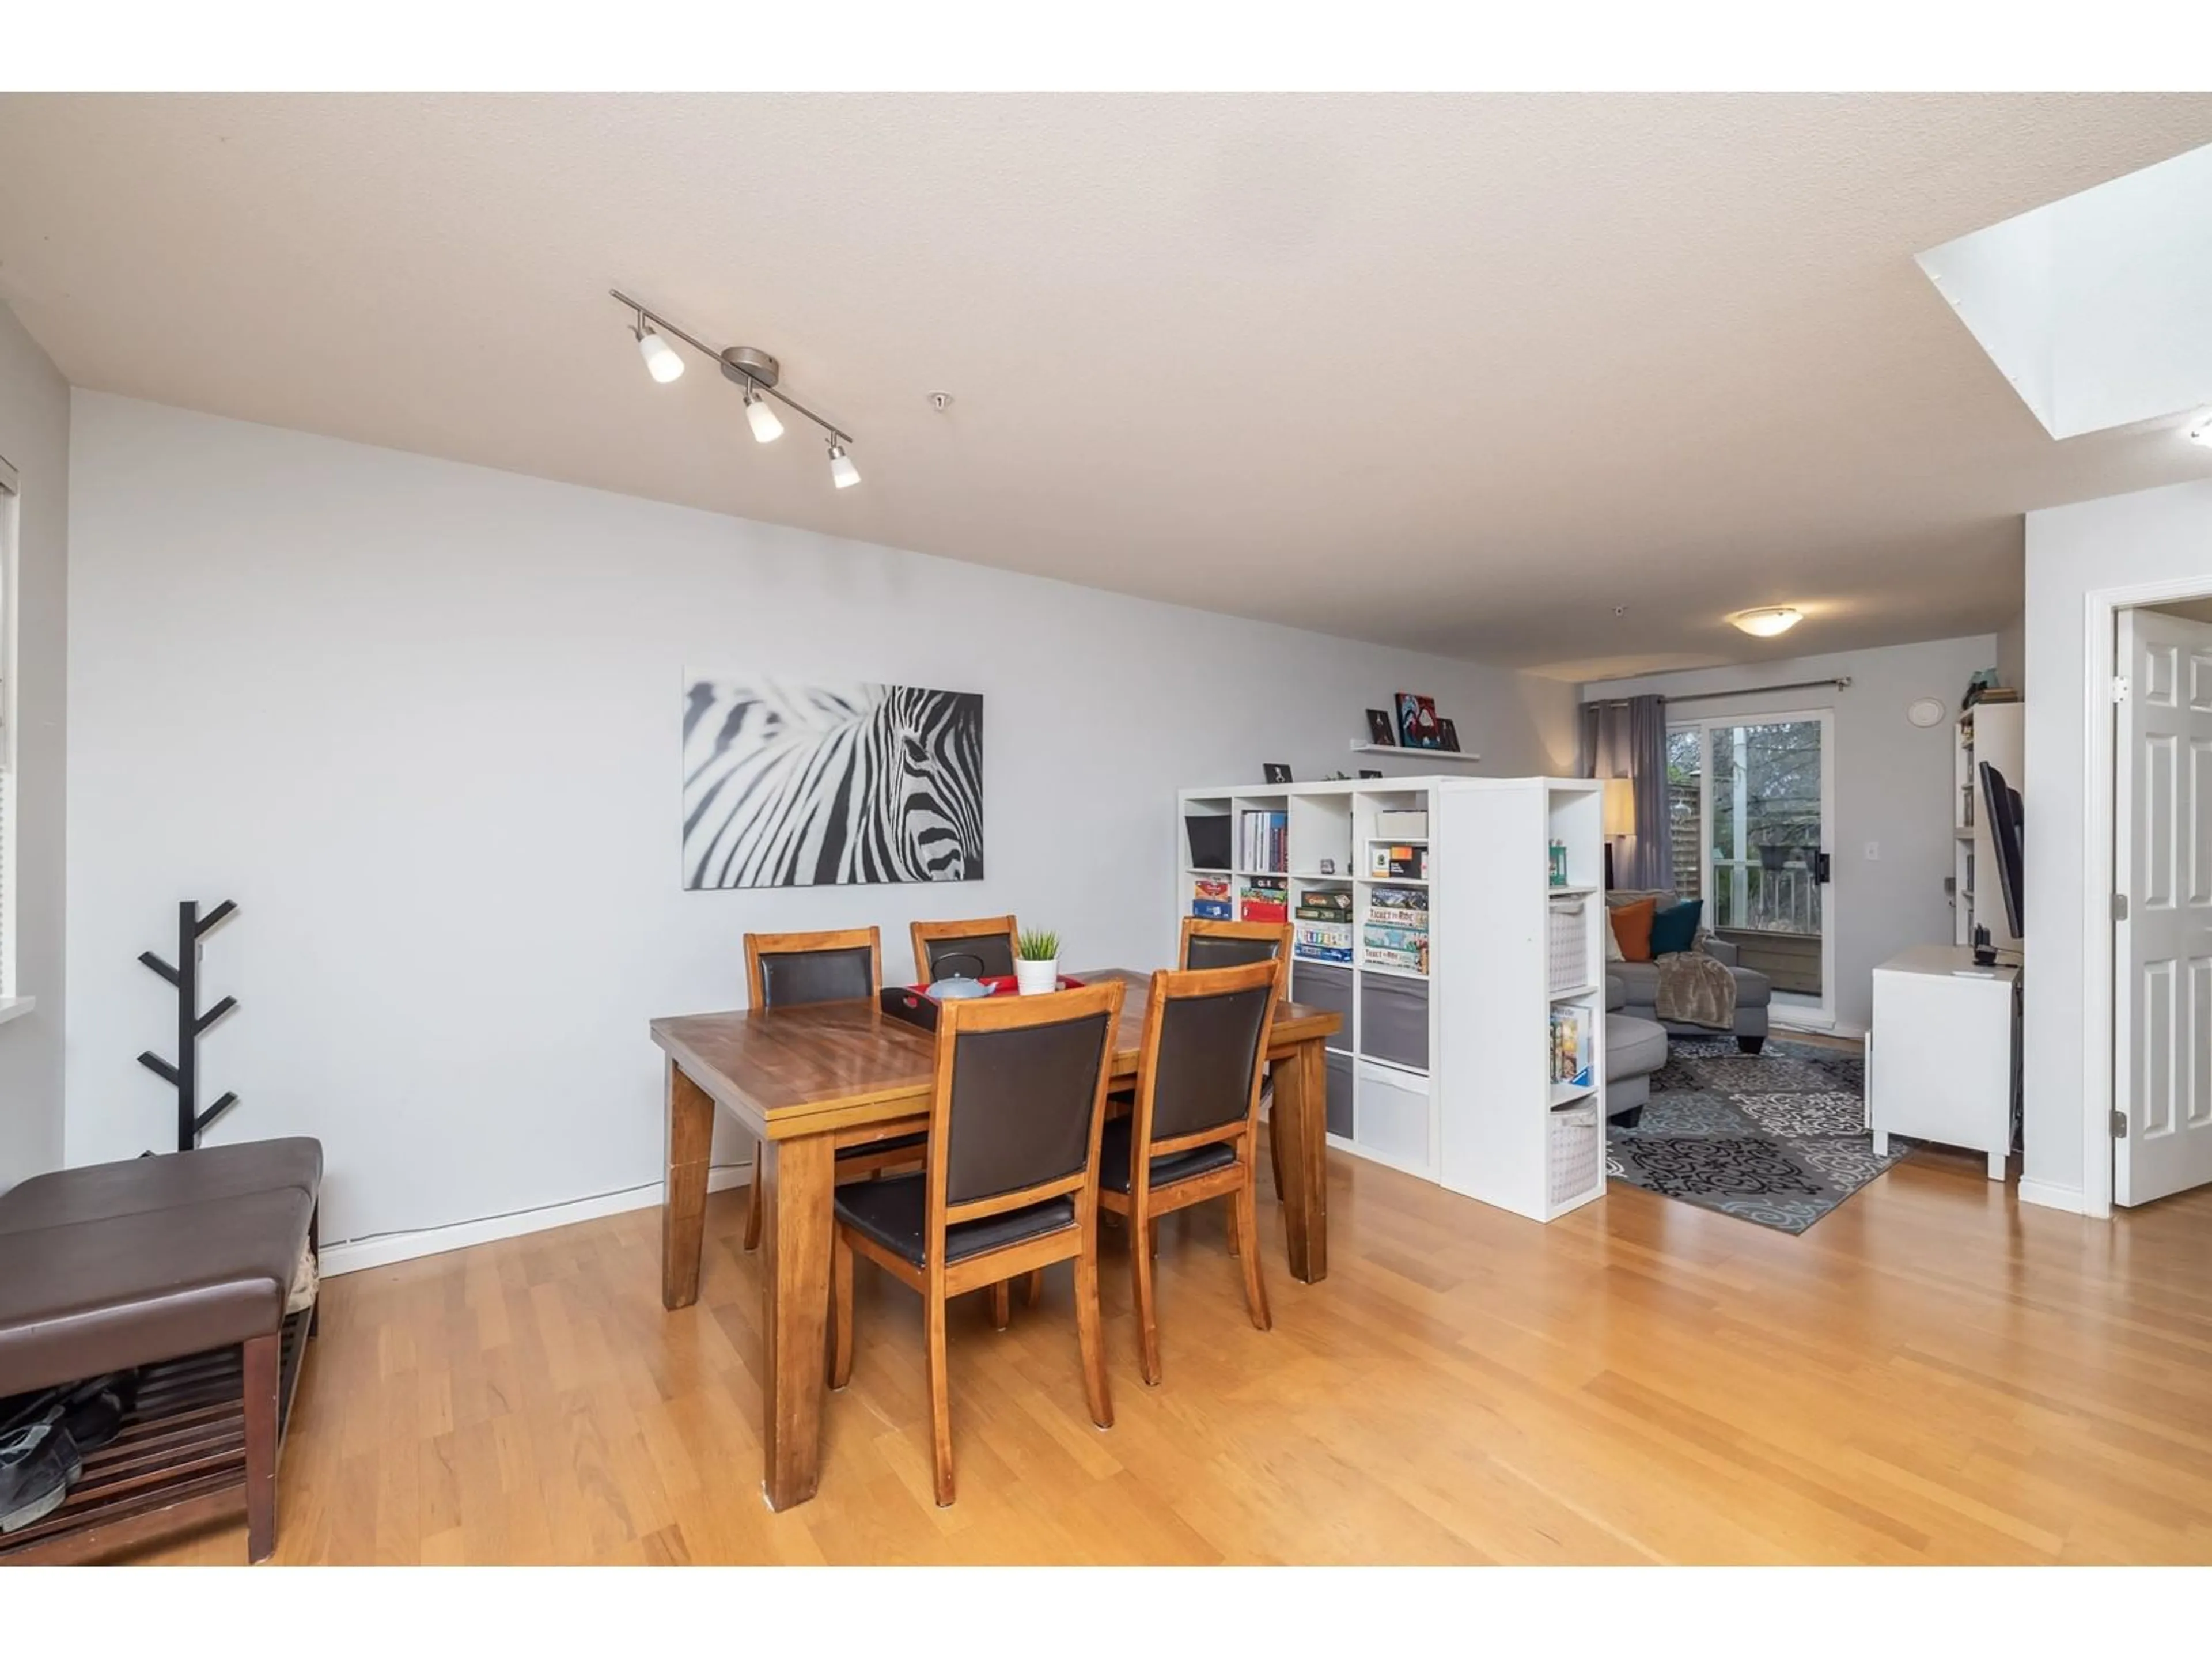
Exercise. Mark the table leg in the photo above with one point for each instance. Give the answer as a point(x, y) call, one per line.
point(1302, 1121)
point(689, 1147)
point(801, 1176)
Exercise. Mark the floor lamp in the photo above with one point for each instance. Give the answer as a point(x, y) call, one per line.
point(1619, 818)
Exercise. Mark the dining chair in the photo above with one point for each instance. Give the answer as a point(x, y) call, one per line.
point(789, 970)
point(1010, 1183)
point(988, 940)
point(1210, 944)
point(1191, 1137)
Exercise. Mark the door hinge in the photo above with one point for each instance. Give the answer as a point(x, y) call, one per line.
point(2120, 1125)
point(2119, 907)
point(2119, 688)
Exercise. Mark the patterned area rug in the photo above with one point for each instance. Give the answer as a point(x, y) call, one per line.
point(1776, 1138)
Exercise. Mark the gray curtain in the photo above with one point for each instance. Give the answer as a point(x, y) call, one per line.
point(1628, 740)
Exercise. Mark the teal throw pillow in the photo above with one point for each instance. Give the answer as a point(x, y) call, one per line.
point(1676, 929)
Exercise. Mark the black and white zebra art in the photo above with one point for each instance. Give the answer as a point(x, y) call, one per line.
point(789, 785)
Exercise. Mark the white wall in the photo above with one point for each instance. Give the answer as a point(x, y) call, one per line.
point(1892, 788)
point(2157, 535)
point(34, 435)
point(421, 720)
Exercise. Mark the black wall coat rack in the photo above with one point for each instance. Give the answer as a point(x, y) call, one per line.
point(191, 928)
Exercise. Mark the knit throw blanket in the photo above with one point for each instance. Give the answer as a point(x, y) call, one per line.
point(1696, 990)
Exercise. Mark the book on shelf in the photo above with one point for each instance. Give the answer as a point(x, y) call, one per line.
point(1263, 840)
point(1402, 859)
point(1401, 826)
point(1408, 962)
point(1322, 941)
point(1209, 897)
point(1332, 906)
point(1261, 898)
point(1400, 898)
point(1569, 1054)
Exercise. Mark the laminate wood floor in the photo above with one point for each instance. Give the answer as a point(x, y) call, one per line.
point(1934, 1373)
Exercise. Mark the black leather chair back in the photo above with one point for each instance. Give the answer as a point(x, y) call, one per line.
point(789, 978)
point(994, 950)
point(1209, 1051)
point(1219, 950)
point(1020, 1111)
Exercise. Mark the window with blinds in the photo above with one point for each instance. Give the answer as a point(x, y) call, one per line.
point(8, 724)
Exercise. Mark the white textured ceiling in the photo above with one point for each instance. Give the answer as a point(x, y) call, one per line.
point(1463, 373)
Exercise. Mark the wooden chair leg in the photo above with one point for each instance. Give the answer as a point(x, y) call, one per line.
point(840, 1311)
point(1233, 1234)
point(1089, 1336)
point(753, 1207)
point(1275, 1155)
point(263, 1366)
point(940, 1392)
point(1033, 1292)
point(1153, 1236)
point(1002, 1305)
point(1247, 1210)
point(1148, 1330)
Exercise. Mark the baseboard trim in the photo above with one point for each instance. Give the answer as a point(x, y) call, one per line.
point(2047, 1196)
point(356, 1256)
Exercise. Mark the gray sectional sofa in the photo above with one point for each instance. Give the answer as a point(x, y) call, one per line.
point(1636, 1037)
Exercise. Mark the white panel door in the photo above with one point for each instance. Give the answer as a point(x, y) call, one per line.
point(2163, 950)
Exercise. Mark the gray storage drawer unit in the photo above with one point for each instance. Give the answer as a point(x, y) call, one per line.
point(1323, 985)
point(1394, 1020)
point(1339, 1095)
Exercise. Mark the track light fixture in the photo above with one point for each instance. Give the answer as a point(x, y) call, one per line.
point(748, 366)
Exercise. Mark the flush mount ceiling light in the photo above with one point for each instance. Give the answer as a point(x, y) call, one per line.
point(1767, 623)
point(2200, 429)
point(746, 366)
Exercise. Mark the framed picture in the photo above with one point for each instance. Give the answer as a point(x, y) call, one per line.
point(1329, 866)
point(1379, 729)
point(1417, 722)
point(1368, 772)
point(808, 786)
point(1448, 734)
point(1276, 771)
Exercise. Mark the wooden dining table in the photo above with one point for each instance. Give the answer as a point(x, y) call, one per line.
point(808, 1080)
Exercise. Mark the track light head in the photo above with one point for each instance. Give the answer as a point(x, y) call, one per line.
point(661, 360)
point(842, 472)
point(766, 428)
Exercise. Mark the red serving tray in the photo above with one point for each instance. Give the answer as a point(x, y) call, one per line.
point(914, 1004)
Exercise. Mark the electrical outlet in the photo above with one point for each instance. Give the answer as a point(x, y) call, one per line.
point(1873, 852)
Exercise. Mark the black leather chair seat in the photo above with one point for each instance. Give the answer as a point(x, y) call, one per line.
point(890, 1211)
point(1114, 1159)
point(912, 1143)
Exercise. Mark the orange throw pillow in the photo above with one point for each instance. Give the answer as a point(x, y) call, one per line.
point(1632, 926)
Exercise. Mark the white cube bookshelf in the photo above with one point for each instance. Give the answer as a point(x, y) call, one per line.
point(1442, 1072)
point(1511, 1136)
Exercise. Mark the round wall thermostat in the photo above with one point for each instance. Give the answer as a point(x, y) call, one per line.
point(1926, 711)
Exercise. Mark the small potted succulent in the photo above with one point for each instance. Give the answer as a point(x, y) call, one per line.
point(1036, 961)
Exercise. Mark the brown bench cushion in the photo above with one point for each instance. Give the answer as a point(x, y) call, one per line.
point(85, 1298)
point(97, 1192)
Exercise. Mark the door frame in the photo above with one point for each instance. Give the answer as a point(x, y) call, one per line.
point(1802, 1013)
point(2100, 783)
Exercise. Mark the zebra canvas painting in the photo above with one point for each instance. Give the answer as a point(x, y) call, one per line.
point(787, 785)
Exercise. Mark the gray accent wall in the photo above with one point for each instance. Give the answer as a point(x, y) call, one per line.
point(423, 721)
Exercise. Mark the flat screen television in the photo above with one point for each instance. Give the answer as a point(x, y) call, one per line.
point(2002, 802)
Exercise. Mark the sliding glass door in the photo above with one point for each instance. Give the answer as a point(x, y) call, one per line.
point(1749, 803)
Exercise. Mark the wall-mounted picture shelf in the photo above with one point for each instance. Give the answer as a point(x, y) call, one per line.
point(1412, 754)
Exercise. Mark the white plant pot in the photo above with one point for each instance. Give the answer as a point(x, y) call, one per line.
point(1034, 978)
